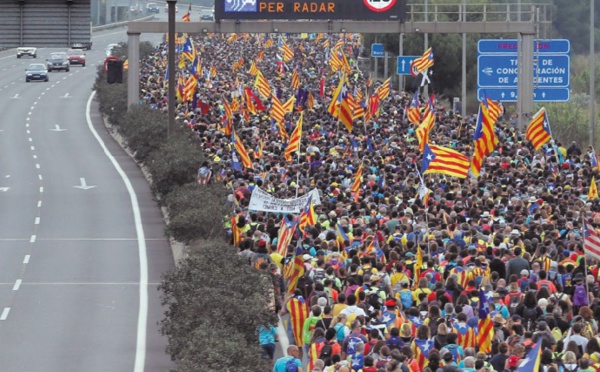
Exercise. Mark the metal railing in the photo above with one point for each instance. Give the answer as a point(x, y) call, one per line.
point(513, 12)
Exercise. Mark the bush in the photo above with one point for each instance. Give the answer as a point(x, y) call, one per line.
point(196, 212)
point(175, 162)
point(145, 130)
point(215, 302)
point(112, 98)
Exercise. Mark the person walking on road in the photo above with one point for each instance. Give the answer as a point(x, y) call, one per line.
point(287, 363)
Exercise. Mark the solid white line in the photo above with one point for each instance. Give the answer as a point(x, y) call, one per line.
point(17, 285)
point(41, 189)
point(140, 349)
point(37, 221)
point(32, 240)
point(26, 259)
point(5, 313)
point(39, 203)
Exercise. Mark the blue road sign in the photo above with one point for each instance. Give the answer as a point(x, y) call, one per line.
point(539, 94)
point(500, 71)
point(403, 64)
point(377, 51)
point(509, 46)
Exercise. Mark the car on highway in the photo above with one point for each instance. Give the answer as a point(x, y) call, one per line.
point(76, 57)
point(82, 46)
point(110, 48)
point(207, 17)
point(58, 61)
point(36, 71)
point(152, 8)
point(167, 8)
point(26, 51)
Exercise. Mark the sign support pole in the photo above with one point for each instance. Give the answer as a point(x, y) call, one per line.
point(426, 42)
point(400, 53)
point(385, 66)
point(592, 78)
point(463, 93)
point(376, 69)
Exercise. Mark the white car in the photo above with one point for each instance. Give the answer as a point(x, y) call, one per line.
point(110, 48)
point(26, 51)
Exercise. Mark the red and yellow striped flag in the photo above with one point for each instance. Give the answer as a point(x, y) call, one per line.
point(241, 150)
point(277, 110)
point(294, 144)
point(357, 179)
point(295, 79)
point(288, 106)
point(253, 69)
point(262, 85)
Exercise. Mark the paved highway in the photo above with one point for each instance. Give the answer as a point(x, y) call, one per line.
point(79, 230)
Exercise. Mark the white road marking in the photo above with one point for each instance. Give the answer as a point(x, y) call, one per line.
point(27, 125)
point(32, 148)
point(48, 88)
point(26, 259)
point(37, 166)
point(5, 313)
point(30, 139)
point(35, 156)
point(37, 221)
point(16, 95)
point(17, 285)
point(35, 103)
point(140, 347)
point(32, 107)
point(32, 239)
point(29, 113)
point(84, 185)
point(40, 176)
point(39, 203)
point(28, 131)
point(41, 189)
point(28, 119)
point(7, 176)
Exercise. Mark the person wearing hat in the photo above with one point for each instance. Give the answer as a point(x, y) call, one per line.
point(499, 307)
point(544, 335)
point(501, 333)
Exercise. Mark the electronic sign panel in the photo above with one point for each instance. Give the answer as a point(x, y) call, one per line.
point(390, 10)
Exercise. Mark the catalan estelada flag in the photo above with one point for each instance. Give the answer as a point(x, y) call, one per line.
point(443, 160)
point(384, 89)
point(298, 310)
point(357, 179)
point(421, 349)
point(484, 139)
point(187, 16)
point(538, 131)
point(294, 144)
point(414, 112)
point(424, 129)
point(285, 50)
point(485, 327)
point(494, 108)
point(241, 150)
point(346, 111)
point(308, 216)
point(285, 235)
point(297, 270)
point(593, 193)
point(532, 360)
point(334, 105)
point(424, 62)
point(466, 335)
point(189, 51)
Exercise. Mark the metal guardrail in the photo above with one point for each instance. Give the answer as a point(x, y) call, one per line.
point(121, 24)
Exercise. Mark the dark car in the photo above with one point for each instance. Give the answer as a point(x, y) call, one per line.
point(58, 61)
point(36, 71)
point(152, 8)
point(207, 17)
point(76, 57)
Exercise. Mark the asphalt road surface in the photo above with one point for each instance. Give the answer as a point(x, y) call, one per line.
point(82, 248)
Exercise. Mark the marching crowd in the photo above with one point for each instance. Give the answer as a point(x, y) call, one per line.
point(475, 274)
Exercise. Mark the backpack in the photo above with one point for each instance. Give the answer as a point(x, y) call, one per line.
point(524, 285)
point(557, 334)
point(352, 342)
point(259, 260)
point(374, 299)
point(580, 297)
point(545, 284)
point(325, 354)
point(587, 330)
point(515, 300)
point(290, 365)
point(530, 316)
point(407, 299)
point(340, 331)
point(319, 276)
point(394, 343)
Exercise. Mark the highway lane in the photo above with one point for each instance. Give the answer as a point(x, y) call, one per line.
point(70, 262)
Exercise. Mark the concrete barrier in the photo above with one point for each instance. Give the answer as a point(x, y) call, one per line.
point(121, 24)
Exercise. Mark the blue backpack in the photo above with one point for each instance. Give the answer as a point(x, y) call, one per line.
point(290, 365)
point(406, 298)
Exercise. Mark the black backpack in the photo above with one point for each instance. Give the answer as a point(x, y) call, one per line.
point(374, 299)
point(325, 355)
point(530, 317)
point(515, 300)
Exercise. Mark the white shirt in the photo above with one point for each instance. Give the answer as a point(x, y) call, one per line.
point(353, 310)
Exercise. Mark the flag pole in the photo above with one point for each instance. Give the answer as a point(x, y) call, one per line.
point(298, 154)
point(425, 209)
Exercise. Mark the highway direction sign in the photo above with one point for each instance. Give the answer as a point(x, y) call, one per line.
point(539, 94)
point(509, 46)
point(377, 51)
point(500, 71)
point(403, 64)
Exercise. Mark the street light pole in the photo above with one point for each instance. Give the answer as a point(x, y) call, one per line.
point(592, 76)
point(171, 68)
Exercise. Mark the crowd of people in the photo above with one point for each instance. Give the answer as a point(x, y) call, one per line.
point(504, 249)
